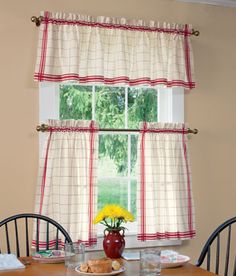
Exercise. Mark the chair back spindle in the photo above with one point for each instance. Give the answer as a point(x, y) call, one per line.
point(217, 254)
point(7, 239)
point(27, 236)
point(37, 234)
point(57, 237)
point(209, 258)
point(17, 239)
point(47, 234)
point(227, 251)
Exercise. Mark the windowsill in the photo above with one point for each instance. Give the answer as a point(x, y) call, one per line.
point(131, 242)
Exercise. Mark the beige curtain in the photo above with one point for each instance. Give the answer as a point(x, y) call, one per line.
point(67, 181)
point(165, 203)
point(112, 51)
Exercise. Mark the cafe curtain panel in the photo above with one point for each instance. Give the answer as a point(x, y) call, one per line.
point(113, 51)
point(165, 203)
point(67, 181)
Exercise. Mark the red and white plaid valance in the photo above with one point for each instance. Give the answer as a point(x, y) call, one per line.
point(112, 51)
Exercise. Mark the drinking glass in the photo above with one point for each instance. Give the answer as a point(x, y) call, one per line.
point(150, 262)
point(74, 254)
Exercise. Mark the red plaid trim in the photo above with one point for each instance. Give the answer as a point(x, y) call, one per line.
point(142, 190)
point(52, 244)
point(167, 235)
point(91, 129)
point(91, 187)
point(116, 26)
point(112, 81)
point(44, 175)
point(190, 221)
point(44, 47)
point(187, 57)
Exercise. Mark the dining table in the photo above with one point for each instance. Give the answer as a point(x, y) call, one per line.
point(132, 268)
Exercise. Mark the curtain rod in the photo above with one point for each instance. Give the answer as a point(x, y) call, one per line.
point(45, 128)
point(38, 20)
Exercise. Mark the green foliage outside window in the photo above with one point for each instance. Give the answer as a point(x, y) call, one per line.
point(110, 108)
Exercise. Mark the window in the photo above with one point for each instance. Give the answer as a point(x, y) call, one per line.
point(119, 108)
point(113, 108)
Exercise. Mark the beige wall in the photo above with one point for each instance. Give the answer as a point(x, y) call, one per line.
point(210, 107)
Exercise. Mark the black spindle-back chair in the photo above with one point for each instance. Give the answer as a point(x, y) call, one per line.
point(225, 232)
point(11, 229)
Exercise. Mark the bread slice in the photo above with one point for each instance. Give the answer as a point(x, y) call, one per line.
point(103, 265)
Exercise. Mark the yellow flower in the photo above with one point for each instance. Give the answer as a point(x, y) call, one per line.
point(98, 218)
point(112, 216)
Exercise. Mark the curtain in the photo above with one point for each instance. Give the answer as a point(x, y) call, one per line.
point(165, 203)
point(67, 181)
point(113, 51)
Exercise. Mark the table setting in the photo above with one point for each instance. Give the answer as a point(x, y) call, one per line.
point(74, 260)
point(151, 260)
point(35, 266)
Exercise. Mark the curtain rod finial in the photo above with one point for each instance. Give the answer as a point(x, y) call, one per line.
point(42, 128)
point(193, 131)
point(196, 33)
point(36, 20)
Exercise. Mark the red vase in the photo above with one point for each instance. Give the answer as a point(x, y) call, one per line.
point(113, 243)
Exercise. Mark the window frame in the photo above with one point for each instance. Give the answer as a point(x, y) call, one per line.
point(170, 109)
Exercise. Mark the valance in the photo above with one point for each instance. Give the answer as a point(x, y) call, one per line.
point(112, 51)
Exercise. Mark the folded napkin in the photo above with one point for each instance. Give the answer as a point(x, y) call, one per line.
point(131, 256)
point(9, 261)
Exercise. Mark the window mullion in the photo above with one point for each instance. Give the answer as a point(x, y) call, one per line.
point(128, 149)
point(126, 107)
point(128, 173)
point(93, 101)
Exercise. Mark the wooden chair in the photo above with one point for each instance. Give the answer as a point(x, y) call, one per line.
point(222, 236)
point(12, 227)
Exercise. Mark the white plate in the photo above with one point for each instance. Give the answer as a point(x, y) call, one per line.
point(180, 260)
point(115, 272)
point(51, 259)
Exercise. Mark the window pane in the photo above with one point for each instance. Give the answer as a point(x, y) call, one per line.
point(110, 107)
point(112, 191)
point(142, 106)
point(133, 155)
point(75, 102)
point(133, 197)
point(113, 155)
point(115, 191)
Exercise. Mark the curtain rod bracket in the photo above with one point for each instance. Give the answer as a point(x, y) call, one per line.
point(37, 20)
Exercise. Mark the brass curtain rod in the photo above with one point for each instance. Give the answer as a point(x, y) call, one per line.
point(45, 128)
point(38, 20)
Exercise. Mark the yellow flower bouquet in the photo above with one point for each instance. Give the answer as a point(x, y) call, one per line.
point(112, 216)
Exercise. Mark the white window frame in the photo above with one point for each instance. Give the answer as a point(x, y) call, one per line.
point(170, 109)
